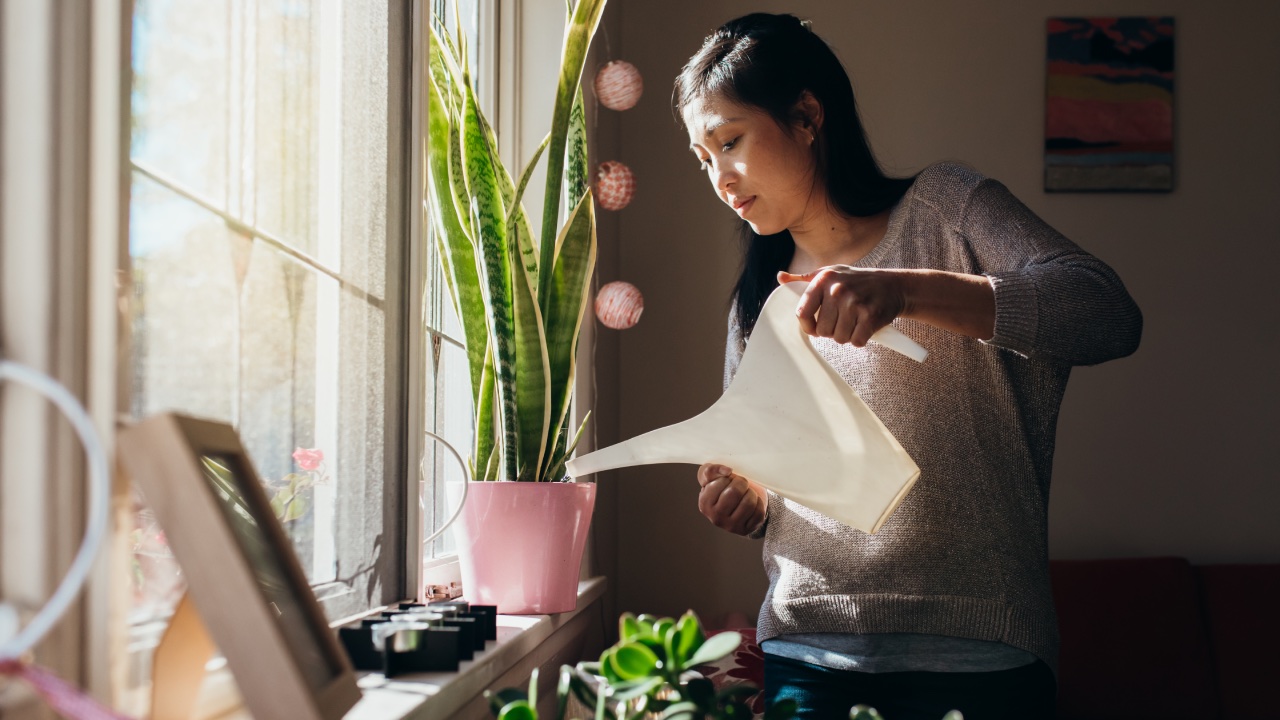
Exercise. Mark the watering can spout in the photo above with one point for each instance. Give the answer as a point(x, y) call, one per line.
point(663, 445)
point(610, 458)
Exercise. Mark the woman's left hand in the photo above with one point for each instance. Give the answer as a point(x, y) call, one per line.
point(849, 304)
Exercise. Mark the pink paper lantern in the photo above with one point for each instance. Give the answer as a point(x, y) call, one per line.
point(615, 185)
point(619, 304)
point(619, 85)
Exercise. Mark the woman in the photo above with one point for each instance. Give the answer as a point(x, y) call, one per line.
point(948, 605)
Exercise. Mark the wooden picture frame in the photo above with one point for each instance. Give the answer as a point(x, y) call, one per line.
point(242, 574)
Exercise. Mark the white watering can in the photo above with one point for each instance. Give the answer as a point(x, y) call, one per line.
point(789, 422)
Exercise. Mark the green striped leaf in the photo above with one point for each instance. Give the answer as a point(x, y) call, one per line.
point(446, 87)
point(577, 38)
point(517, 220)
point(569, 286)
point(449, 82)
point(519, 223)
point(486, 437)
point(458, 179)
point(576, 169)
point(528, 171)
point(455, 247)
point(532, 367)
point(460, 50)
point(443, 69)
point(494, 269)
point(533, 398)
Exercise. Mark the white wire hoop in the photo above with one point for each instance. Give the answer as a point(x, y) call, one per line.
point(12, 648)
point(466, 484)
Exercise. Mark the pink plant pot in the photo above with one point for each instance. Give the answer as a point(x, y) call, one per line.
point(520, 544)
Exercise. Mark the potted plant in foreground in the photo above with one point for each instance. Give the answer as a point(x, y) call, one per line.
point(520, 298)
point(654, 672)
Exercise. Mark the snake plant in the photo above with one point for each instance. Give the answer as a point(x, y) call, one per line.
point(520, 297)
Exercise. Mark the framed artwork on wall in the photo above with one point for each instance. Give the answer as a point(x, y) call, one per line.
point(1109, 105)
point(242, 574)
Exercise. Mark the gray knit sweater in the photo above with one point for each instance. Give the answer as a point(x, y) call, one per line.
point(965, 554)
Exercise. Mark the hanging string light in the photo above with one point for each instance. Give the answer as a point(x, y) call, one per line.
point(619, 304)
point(619, 85)
point(615, 185)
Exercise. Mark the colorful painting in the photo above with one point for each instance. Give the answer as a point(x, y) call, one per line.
point(1109, 105)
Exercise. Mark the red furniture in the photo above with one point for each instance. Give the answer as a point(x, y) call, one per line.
point(1161, 638)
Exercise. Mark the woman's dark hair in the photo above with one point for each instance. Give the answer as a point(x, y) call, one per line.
point(769, 61)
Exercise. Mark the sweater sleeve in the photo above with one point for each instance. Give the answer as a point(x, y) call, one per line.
point(1053, 299)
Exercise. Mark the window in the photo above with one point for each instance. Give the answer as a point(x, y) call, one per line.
point(268, 249)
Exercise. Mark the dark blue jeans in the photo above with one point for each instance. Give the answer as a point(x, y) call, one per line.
point(1024, 693)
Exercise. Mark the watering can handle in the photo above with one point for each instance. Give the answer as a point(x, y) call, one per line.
point(894, 339)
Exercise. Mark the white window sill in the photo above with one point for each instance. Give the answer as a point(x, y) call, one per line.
point(521, 645)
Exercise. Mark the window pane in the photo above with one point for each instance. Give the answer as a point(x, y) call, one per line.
point(186, 265)
point(263, 263)
point(235, 330)
point(287, 88)
point(280, 400)
point(183, 71)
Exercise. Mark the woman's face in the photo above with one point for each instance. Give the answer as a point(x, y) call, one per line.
point(756, 167)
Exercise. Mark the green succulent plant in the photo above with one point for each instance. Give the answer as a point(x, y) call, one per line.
point(649, 673)
point(520, 297)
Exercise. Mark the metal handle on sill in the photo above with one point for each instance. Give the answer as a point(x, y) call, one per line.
point(466, 484)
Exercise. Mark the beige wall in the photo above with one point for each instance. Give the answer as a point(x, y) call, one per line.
point(1168, 452)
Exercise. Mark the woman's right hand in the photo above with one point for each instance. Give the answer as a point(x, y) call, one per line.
point(731, 502)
